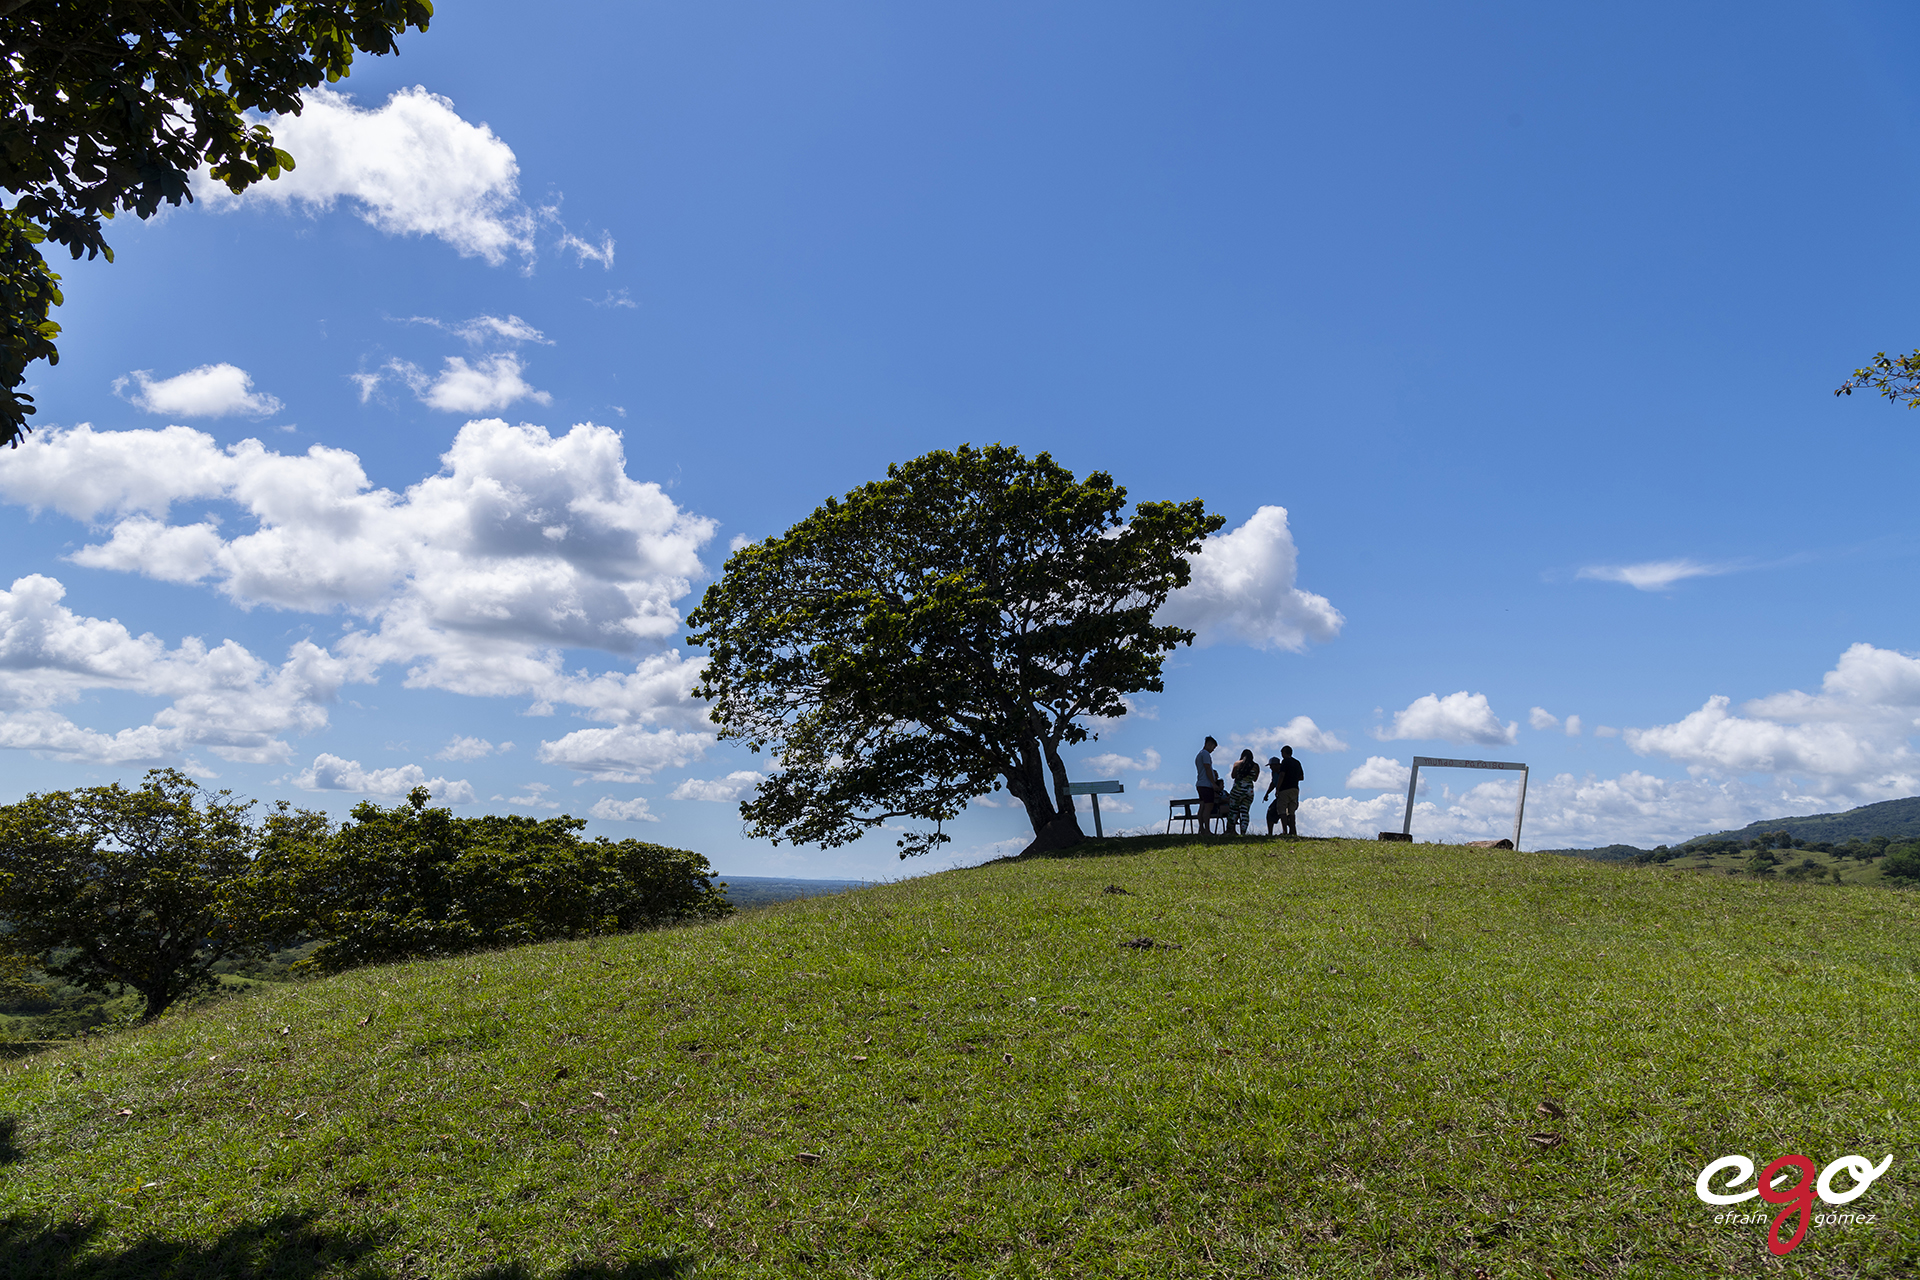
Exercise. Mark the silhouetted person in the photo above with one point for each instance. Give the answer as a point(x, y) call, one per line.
point(1203, 783)
point(1246, 773)
point(1286, 776)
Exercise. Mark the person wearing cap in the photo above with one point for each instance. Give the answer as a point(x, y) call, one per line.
point(1203, 783)
point(1286, 775)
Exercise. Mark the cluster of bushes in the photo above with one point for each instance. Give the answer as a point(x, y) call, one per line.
point(1766, 855)
point(158, 890)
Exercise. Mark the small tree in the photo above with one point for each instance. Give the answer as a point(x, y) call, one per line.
point(936, 636)
point(113, 888)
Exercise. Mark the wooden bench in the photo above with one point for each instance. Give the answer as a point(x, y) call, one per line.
point(1188, 812)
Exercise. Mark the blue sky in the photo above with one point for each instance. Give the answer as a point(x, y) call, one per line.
point(1526, 318)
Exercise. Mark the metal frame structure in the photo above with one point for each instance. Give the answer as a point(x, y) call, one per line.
point(1095, 790)
point(1434, 762)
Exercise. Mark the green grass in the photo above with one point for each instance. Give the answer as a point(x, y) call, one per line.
point(1328, 1065)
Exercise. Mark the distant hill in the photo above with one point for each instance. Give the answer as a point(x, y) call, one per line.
point(759, 891)
point(1894, 819)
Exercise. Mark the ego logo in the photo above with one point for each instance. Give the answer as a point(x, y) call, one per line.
point(1798, 1197)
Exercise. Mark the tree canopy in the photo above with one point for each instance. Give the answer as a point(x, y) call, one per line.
point(416, 881)
point(107, 887)
point(110, 105)
point(936, 636)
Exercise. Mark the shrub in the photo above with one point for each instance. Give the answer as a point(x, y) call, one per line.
point(413, 881)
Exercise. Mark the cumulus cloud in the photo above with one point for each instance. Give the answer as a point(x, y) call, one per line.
point(1243, 589)
point(1458, 717)
point(210, 391)
point(622, 810)
point(1852, 739)
point(332, 773)
point(475, 579)
point(1573, 726)
point(412, 166)
point(1654, 575)
point(1111, 763)
point(1380, 773)
point(624, 753)
point(489, 383)
point(1300, 733)
point(732, 787)
point(222, 698)
point(1541, 718)
point(1565, 811)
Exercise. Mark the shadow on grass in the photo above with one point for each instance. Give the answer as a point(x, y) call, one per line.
point(9, 1149)
point(289, 1247)
point(1119, 846)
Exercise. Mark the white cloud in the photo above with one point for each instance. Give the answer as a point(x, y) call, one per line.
point(1850, 740)
point(1562, 812)
point(536, 797)
point(614, 298)
point(732, 787)
point(587, 251)
point(1300, 733)
point(624, 753)
point(210, 391)
point(332, 773)
point(1458, 717)
point(488, 329)
point(1111, 764)
point(1541, 718)
point(413, 167)
point(476, 579)
point(1380, 773)
point(1654, 575)
point(1605, 731)
point(489, 383)
point(622, 810)
point(1573, 726)
point(221, 698)
point(1243, 589)
point(461, 748)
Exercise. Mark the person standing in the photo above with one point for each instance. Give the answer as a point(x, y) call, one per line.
point(1203, 783)
point(1285, 777)
point(1246, 773)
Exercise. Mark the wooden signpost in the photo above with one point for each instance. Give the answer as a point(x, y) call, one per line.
point(1096, 790)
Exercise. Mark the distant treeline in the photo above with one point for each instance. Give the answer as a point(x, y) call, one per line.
point(159, 891)
point(1768, 853)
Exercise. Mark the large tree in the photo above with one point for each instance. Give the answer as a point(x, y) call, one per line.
point(110, 105)
point(109, 888)
point(936, 636)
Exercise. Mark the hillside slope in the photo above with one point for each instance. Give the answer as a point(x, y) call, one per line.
point(1895, 819)
point(1326, 1059)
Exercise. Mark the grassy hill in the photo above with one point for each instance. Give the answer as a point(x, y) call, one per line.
point(1895, 819)
point(1242, 1058)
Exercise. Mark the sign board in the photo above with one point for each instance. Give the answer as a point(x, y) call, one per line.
point(1096, 790)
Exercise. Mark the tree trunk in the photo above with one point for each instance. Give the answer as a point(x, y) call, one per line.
point(1053, 827)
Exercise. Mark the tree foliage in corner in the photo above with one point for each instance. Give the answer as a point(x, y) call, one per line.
point(938, 635)
point(110, 105)
point(113, 888)
point(1895, 377)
